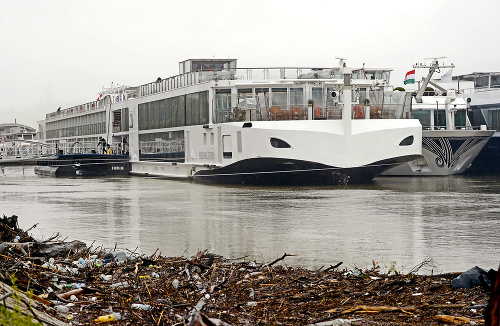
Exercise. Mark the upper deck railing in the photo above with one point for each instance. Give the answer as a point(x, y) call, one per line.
point(112, 95)
point(256, 74)
point(91, 106)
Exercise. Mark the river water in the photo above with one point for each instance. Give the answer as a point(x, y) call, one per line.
point(452, 223)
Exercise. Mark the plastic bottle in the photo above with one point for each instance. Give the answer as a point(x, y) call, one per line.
point(110, 317)
point(119, 285)
point(73, 286)
point(81, 263)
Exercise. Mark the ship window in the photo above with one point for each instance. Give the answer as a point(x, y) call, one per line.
point(278, 143)
point(279, 97)
point(407, 141)
point(296, 96)
point(440, 118)
point(317, 96)
point(244, 93)
point(460, 119)
point(481, 81)
point(424, 116)
point(495, 81)
point(223, 111)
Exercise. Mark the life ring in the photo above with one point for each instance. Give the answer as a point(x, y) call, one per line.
point(358, 111)
point(317, 112)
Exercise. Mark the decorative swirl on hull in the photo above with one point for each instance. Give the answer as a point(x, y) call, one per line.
point(449, 149)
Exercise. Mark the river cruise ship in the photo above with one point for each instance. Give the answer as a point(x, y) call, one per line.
point(18, 144)
point(482, 95)
point(217, 123)
point(450, 143)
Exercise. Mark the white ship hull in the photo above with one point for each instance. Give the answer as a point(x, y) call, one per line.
point(319, 153)
point(445, 152)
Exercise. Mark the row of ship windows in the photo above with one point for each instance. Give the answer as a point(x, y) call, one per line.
point(96, 128)
point(184, 110)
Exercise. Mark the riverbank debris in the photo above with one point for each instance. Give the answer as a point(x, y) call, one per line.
point(80, 285)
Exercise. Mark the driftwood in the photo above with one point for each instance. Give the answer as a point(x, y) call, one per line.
point(27, 306)
point(277, 260)
point(453, 319)
point(54, 249)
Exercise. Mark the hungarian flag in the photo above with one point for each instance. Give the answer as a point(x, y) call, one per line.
point(410, 77)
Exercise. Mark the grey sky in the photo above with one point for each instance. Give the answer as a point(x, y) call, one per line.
point(61, 53)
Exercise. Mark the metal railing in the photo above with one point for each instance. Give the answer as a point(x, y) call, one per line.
point(197, 77)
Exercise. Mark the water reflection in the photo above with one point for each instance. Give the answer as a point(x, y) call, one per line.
point(453, 220)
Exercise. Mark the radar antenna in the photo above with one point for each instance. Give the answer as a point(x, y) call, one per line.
point(341, 61)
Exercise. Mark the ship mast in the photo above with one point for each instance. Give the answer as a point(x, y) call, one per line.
point(433, 67)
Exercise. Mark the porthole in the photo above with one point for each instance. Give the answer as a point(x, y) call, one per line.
point(407, 141)
point(278, 143)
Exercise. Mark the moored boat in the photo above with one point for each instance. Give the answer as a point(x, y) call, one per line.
point(483, 100)
point(82, 165)
point(450, 143)
point(216, 123)
point(18, 144)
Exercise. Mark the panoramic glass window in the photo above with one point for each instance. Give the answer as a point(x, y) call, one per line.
point(278, 97)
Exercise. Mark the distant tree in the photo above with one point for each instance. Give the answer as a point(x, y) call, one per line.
point(401, 89)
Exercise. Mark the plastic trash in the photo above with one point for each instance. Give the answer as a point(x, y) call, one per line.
point(116, 256)
point(17, 238)
point(62, 309)
point(82, 263)
point(110, 317)
point(119, 285)
point(141, 306)
point(105, 277)
point(175, 283)
point(73, 286)
point(471, 278)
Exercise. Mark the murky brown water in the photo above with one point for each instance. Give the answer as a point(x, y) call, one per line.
point(455, 221)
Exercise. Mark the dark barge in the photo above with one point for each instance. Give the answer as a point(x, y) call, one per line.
point(67, 165)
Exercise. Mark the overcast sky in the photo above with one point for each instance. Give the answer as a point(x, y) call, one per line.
point(61, 53)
